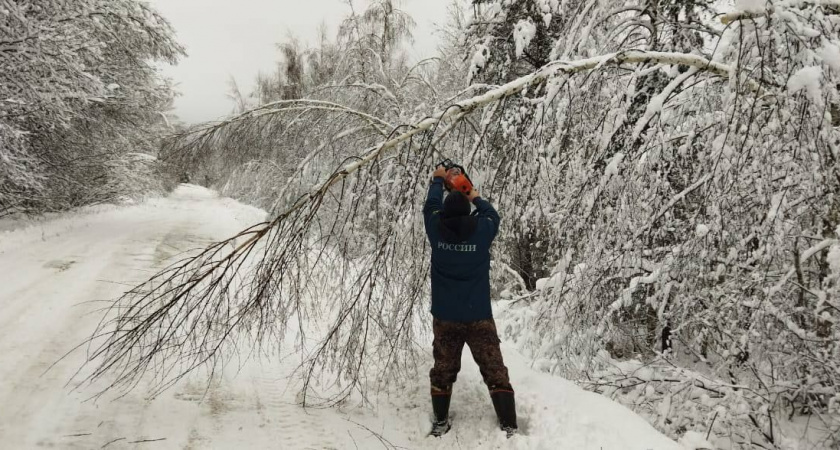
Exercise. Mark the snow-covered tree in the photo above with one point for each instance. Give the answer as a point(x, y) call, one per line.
point(78, 93)
point(655, 163)
point(666, 188)
point(342, 93)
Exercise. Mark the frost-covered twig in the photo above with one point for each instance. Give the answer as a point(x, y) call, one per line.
point(728, 18)
point(282, 105)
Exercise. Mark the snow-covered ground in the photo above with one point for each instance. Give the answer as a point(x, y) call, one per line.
point(57, 273)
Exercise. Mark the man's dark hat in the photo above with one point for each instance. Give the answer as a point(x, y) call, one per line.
point(456, 204)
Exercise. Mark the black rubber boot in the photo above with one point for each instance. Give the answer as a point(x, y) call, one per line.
point(505, 406)
point(440, 405)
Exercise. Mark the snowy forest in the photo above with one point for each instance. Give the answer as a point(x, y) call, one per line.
point(667, 173)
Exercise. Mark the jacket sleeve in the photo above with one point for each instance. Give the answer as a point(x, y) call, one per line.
point(434, 203)
point(488, 215)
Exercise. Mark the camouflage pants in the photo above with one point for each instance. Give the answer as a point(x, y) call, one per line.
point(483, 340)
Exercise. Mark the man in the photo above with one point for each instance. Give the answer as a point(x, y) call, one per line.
point(461, 299)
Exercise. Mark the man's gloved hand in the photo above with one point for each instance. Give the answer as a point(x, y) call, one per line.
point(439, 172)
point(472, 195)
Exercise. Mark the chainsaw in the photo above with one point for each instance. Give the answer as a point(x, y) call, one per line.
point(456, 177)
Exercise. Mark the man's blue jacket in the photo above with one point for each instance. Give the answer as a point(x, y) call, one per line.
point(460, 270)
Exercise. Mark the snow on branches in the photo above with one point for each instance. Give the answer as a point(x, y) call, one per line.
point(753, 160)
point(523, 34)
point(71, 75)
point(653, 168)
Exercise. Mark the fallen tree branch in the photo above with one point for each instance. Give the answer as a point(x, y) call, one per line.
point(180, 319)
point(112, 441)
point(284, 105)
point(143, 441)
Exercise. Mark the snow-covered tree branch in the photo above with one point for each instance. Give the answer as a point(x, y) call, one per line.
point(654, 170)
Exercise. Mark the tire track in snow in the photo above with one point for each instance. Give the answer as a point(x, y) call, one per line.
point(20, 294)
point(294, 426)
point(44, 316)
point(68, 324)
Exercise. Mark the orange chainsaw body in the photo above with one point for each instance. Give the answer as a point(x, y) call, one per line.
point(456, 178)
point(456, 181)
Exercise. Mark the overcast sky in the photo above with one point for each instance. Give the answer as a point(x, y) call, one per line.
point(237, 38)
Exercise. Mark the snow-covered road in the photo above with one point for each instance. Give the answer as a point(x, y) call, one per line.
point(56, 274)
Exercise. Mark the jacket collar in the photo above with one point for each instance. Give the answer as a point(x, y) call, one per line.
point(457, 229)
